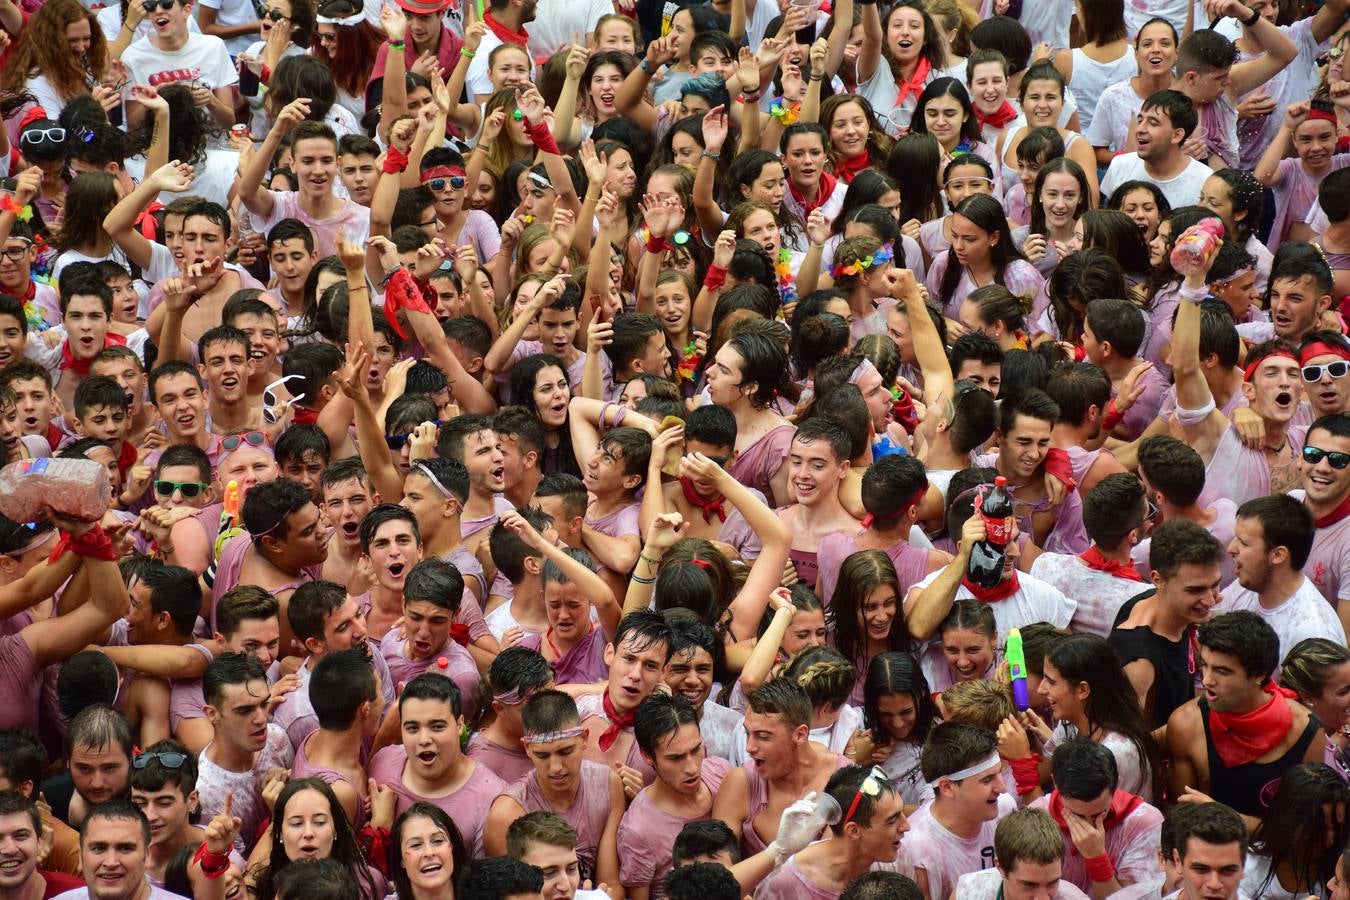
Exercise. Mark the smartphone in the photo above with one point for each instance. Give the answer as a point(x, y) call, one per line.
point(9, 185)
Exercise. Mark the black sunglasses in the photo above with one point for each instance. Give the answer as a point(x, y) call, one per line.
point(1314, 455)
point(396, 441)
point(275, 15)
point(168, 759)
point(166, 5)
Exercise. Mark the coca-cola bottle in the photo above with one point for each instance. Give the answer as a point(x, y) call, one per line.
point(987, 558)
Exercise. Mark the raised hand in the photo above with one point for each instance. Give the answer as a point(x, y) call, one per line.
point(292, 114)
point(699, 468)
point(724, 248)
point(173, 176)
point(492, 125)
point(577, 58)
point(531, 104)
point(473, 35)
point(27, 185)
point(747, 71)
point(223, 828)
point(429, 259)
point(716, 127)
point(393, 22)
point(596, 165)
point(517, 525)
point(352, 254)
point(401, 135)
point(351, 376)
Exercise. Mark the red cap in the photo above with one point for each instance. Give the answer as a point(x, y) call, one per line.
point(424, 7)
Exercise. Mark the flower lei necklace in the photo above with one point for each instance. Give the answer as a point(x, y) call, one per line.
point(787, 285)
point(689, 363)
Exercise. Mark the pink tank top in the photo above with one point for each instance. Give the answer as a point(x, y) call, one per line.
point(509, 763)
point(588, 813)
point(302, 768)
point(468, 806)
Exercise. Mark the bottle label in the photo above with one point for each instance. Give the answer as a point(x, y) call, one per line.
point(998, 531)
point(37, 466)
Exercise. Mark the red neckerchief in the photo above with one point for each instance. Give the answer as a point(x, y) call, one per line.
point(823, 194)
point(1093, 559)
point(302, 416)
point(126, 459)
point(617, 722)
point(1122, 804)
point(54, 436)
point(1331, 518)
point(1001, 591)
point(997, 119)
point(1242, 739)
point(915, 83)
point(506, 34)
point(706, 505)
point(848, 169)
point(81, 366)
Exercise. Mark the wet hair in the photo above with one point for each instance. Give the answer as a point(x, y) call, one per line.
point(1076, 387)
point(1246, 637)
point(881, 886)
point(659, 715)
point(89, 678)
point(1293, 832)
point(1113, 508)
point(1247, 196)
point(783, 697)
point(1305, 669)
point(1118, 322)
point(1178, 108)
point(1180, 542)
point(859, 575)
point(1205, 50)
point(98, 727)
point(153, 775)
point(951, 747)
point(824, 674)
point(435, 581)
point(346, 851)
point(701, 881)
point(705, 837)
point(267, 507)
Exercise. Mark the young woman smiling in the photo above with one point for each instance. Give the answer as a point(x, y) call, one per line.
point(1155, 53)
point(900, 55)
point(1042, 98)
point(981, 253)
point(945, 111)
point(1058, 200)
point(857, 142)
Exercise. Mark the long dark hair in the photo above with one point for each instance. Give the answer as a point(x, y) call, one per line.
point(1294, 831)
point(987, 214)
point(355, 45)
point(859, 575)
point(1082, 276)
point(948, 87)
point(897, 673)
point(1103, 21)
point(1116, 233)
point(1057, 166)
point(1111, 705)
point(345, 848)
point(915, 161)
point(868, 186)
point(1178, 220)
point(460, 856)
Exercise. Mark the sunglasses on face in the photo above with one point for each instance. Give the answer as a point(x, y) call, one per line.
point(234, 441)
point(276, 15)
point(1314, 455)
point(168, 759)
point(189, 489)
point(1337, 369)
point(327, 38)
point(150, 5)
point(456, 183)
point(396, 441)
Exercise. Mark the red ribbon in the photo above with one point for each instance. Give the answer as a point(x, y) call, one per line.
point(617, 722)
point(1094, 559)
point(1250, 371)
point(1240, 739)
point(404, 292)
point(709, 506)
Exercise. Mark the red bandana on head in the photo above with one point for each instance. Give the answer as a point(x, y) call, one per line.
point(1252, 366)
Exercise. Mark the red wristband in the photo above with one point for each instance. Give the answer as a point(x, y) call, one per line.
point(655, 244)
point(1112, 417)
point(543, 138)
point(94, 544)
point(1027, 773)
point(716, 277)
point(1057, 464)
point(265, 75)
point(213, 864)
point(395, 160)
point(1100, 868)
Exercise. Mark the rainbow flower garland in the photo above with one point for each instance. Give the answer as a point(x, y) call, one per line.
point(884, 254)
point(787, 284)
point(689, 363)
point(786, 113)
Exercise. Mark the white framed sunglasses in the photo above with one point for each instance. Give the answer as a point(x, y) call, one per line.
point(271, 401)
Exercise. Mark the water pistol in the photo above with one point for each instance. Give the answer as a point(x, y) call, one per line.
point(1017, 670)
point(229, 516)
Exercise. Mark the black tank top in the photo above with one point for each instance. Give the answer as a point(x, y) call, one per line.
point(1249, 788)
point(1173, 661)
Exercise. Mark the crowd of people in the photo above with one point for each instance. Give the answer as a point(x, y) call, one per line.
point(563, 449)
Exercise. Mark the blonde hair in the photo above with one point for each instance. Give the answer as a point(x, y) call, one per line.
point(952, 15)
point(1028, 834)
point(824, 674)
point(984, 704)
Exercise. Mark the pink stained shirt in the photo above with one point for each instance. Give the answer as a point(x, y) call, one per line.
point(459, 666)
point(584, 663)
point(1099, 594)
point(943, 856)
point(213, 783)
point(1019, 276)
point(588, 814)
point(303, 768)
point(790, 883)
point(592, 706)
point(647, 834)
point(987, 884)
point(468, 805)
point(509, 763)
point(352, 221)
point(758, 463)
point(1328, 564)
point(1131, 843)
point(19, 684)
point(623, 522)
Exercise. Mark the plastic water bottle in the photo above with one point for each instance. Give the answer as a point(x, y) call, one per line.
point(31, 489)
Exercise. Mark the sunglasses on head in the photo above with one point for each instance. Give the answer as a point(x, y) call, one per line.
point(150, 5)
point(1337, 369)
point(189, 489)
point(234, 441)
point(1314, 455)
point(871, 787)
point(456, 183)
point(168, 759)
point(43, 135)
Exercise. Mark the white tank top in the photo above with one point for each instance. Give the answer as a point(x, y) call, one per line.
point(1090, 78)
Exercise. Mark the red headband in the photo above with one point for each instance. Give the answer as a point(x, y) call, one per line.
point(1251, 367)
point(1320, 348)
point(442, 172)
point(1324, 114)
point(869, 520)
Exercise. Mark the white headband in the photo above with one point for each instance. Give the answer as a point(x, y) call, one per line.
point(353, 20)
point(988, 762)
